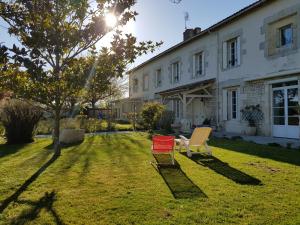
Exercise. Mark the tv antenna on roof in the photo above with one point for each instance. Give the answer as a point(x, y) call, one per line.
point(186, 18)
point(175, 1)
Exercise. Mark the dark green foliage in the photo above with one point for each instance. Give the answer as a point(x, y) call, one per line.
point(151, 114)
point(166, 120)
point(19, 120)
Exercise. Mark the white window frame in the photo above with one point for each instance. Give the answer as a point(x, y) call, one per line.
point(228, 54)
point(198, 65)
point(177, 108)
point(232, 53)
point(175, 73)
point(158, 78)
point(232, 105)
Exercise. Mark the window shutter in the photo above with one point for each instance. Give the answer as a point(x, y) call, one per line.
point(238, 50)
point(224, 103)
point(224, 55)
point(278, 38)
point(238, 103)
point(194, 66)
point(155, 79)
point(170, 68)
point(203, 63)
point(180, 71)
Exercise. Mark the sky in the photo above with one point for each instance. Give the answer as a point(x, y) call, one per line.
point(162, 20)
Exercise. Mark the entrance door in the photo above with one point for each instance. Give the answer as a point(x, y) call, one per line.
point(285, 112)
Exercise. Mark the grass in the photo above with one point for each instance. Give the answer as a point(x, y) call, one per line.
point(108, 180)
point(90, 125)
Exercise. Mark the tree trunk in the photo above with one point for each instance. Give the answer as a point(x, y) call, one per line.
point(56, 141)
point(94, 108)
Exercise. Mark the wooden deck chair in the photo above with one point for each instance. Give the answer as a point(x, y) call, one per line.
point(163, 145)
point(199, 139)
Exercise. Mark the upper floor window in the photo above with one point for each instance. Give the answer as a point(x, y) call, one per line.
point(198, 64)
point(231, 53)
point(135, 85)
point(158, 78)
point(175, 72)
point(286, 35)
point(146, 82)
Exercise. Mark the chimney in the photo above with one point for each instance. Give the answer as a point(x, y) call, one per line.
point(189, 33)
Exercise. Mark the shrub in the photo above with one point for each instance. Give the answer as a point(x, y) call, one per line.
point(151, 114)
point(166, 120)
point(19, 120)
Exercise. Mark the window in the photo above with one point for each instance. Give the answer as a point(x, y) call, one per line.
point(198, 64)
point(177, 108)
point(158, 78)
point(135, 84)
point(232, 53)
point(230, 102)
point(286, 35)
point(146, 82)
point(175, 72)
point(234, 104)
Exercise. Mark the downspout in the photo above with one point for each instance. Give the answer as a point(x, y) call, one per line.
point(217, 81)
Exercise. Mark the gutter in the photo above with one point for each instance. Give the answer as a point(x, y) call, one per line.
point(274, 75)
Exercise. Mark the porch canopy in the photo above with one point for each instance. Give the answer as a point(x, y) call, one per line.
point(187, 93)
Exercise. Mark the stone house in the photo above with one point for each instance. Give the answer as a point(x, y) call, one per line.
point(250, 58)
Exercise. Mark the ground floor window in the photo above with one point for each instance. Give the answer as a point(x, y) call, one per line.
point(177, 108)
point(233, 104)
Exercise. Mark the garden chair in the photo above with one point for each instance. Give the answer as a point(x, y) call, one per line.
point(199, 139)
point(163, 145)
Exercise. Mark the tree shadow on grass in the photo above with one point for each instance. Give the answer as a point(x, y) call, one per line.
point(14, 196)
point(45, 202)
point(279, 154)
point(224, 169)
point(181, 186)
point(6, 150)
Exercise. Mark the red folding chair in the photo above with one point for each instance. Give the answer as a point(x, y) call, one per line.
point(163, 145)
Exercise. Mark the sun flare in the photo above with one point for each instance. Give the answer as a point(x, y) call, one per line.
point(111, 20)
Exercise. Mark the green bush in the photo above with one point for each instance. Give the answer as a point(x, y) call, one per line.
point(151, 114)
point(166, 120)
point(19, 120)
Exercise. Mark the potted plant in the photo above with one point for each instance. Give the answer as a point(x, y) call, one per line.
point(252, 114)
point(71, 134)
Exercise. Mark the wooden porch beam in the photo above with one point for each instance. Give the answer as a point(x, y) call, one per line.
point(199, 96)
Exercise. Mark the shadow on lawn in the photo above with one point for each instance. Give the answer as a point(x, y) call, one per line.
point(224, 169)
point(45, 202)
point(6, 149)
point(14, 196)
point(178, 182)
point(279, 154)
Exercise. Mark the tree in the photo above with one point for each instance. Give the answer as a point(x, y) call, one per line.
point(104, 77)
point(52, 35)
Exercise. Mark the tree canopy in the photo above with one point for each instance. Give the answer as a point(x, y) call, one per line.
point(46, 65)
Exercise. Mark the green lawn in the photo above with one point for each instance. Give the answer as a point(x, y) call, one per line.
point(109, 180)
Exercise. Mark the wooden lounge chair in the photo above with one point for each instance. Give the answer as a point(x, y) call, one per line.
point(199, 139)
point(163, 145)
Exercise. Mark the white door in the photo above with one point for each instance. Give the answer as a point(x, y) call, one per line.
point(285, 113)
